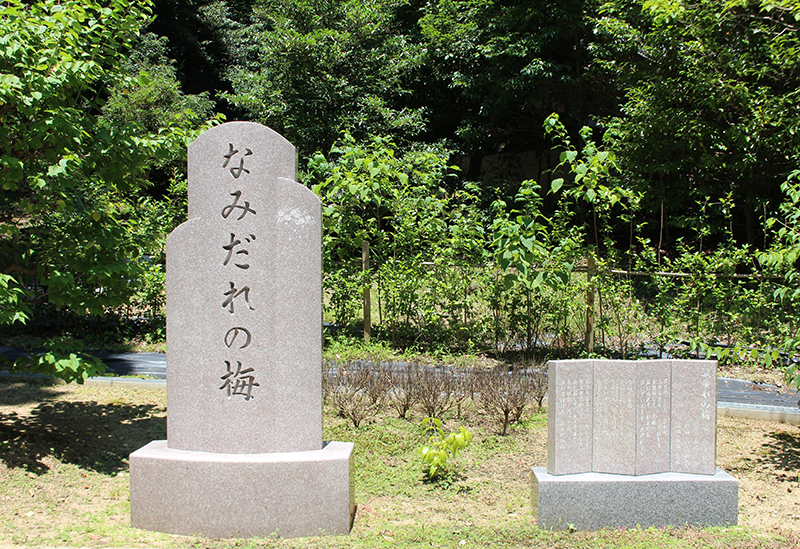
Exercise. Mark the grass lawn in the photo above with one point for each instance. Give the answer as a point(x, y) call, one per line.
point(64, 480)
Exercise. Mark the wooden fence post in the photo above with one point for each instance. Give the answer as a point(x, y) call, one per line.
point(367, 289)
point(590, 271)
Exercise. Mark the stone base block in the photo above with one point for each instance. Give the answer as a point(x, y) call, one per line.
point(592, 501)
point(288, 494)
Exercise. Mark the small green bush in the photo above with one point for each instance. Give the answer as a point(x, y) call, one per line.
point(440, 448)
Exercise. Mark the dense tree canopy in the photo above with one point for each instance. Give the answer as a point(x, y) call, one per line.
point(495, 70)
point(313, 69)
point(710, 116)
point(698, 97)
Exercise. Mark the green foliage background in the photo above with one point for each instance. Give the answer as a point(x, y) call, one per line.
point(670, 144)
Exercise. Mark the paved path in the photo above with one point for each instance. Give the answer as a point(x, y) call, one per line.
point(735, 397)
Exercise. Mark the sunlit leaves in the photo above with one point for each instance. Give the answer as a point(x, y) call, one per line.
point(590, 169)
point(12, 297)
point(523, 244)
point(783, 256)
point(441, 447)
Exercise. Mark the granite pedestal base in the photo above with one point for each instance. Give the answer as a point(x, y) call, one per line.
point(286, 494)
point(592, 501)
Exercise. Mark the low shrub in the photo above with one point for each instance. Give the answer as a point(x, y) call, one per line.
point(403, 388)
point(357, 389)
point(504, 396)
point(435, 389)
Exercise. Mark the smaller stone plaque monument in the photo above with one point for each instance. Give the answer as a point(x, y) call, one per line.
point(244, 455)
point(632, 443)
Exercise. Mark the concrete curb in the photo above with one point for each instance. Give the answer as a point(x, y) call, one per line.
point(755, 411)
point(126, 382)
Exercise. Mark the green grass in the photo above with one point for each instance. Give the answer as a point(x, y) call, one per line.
point(64, 482)
point(344, 349)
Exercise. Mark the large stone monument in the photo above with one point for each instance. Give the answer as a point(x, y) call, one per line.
point(632, 443)
point(244, 455)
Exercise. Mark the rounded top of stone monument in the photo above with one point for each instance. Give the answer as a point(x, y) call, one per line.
point(232, 159)
point(235, 141)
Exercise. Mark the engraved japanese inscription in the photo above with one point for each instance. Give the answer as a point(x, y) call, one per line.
point(242, 380)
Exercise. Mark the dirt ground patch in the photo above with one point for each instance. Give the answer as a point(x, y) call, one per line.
point(765, 457)
point(771, 376)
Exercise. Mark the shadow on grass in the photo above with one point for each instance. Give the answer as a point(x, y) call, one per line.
point(97, 437)
point(17, 393)
point(782, 452)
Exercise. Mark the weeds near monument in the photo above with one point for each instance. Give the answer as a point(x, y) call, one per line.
point(440, 448)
